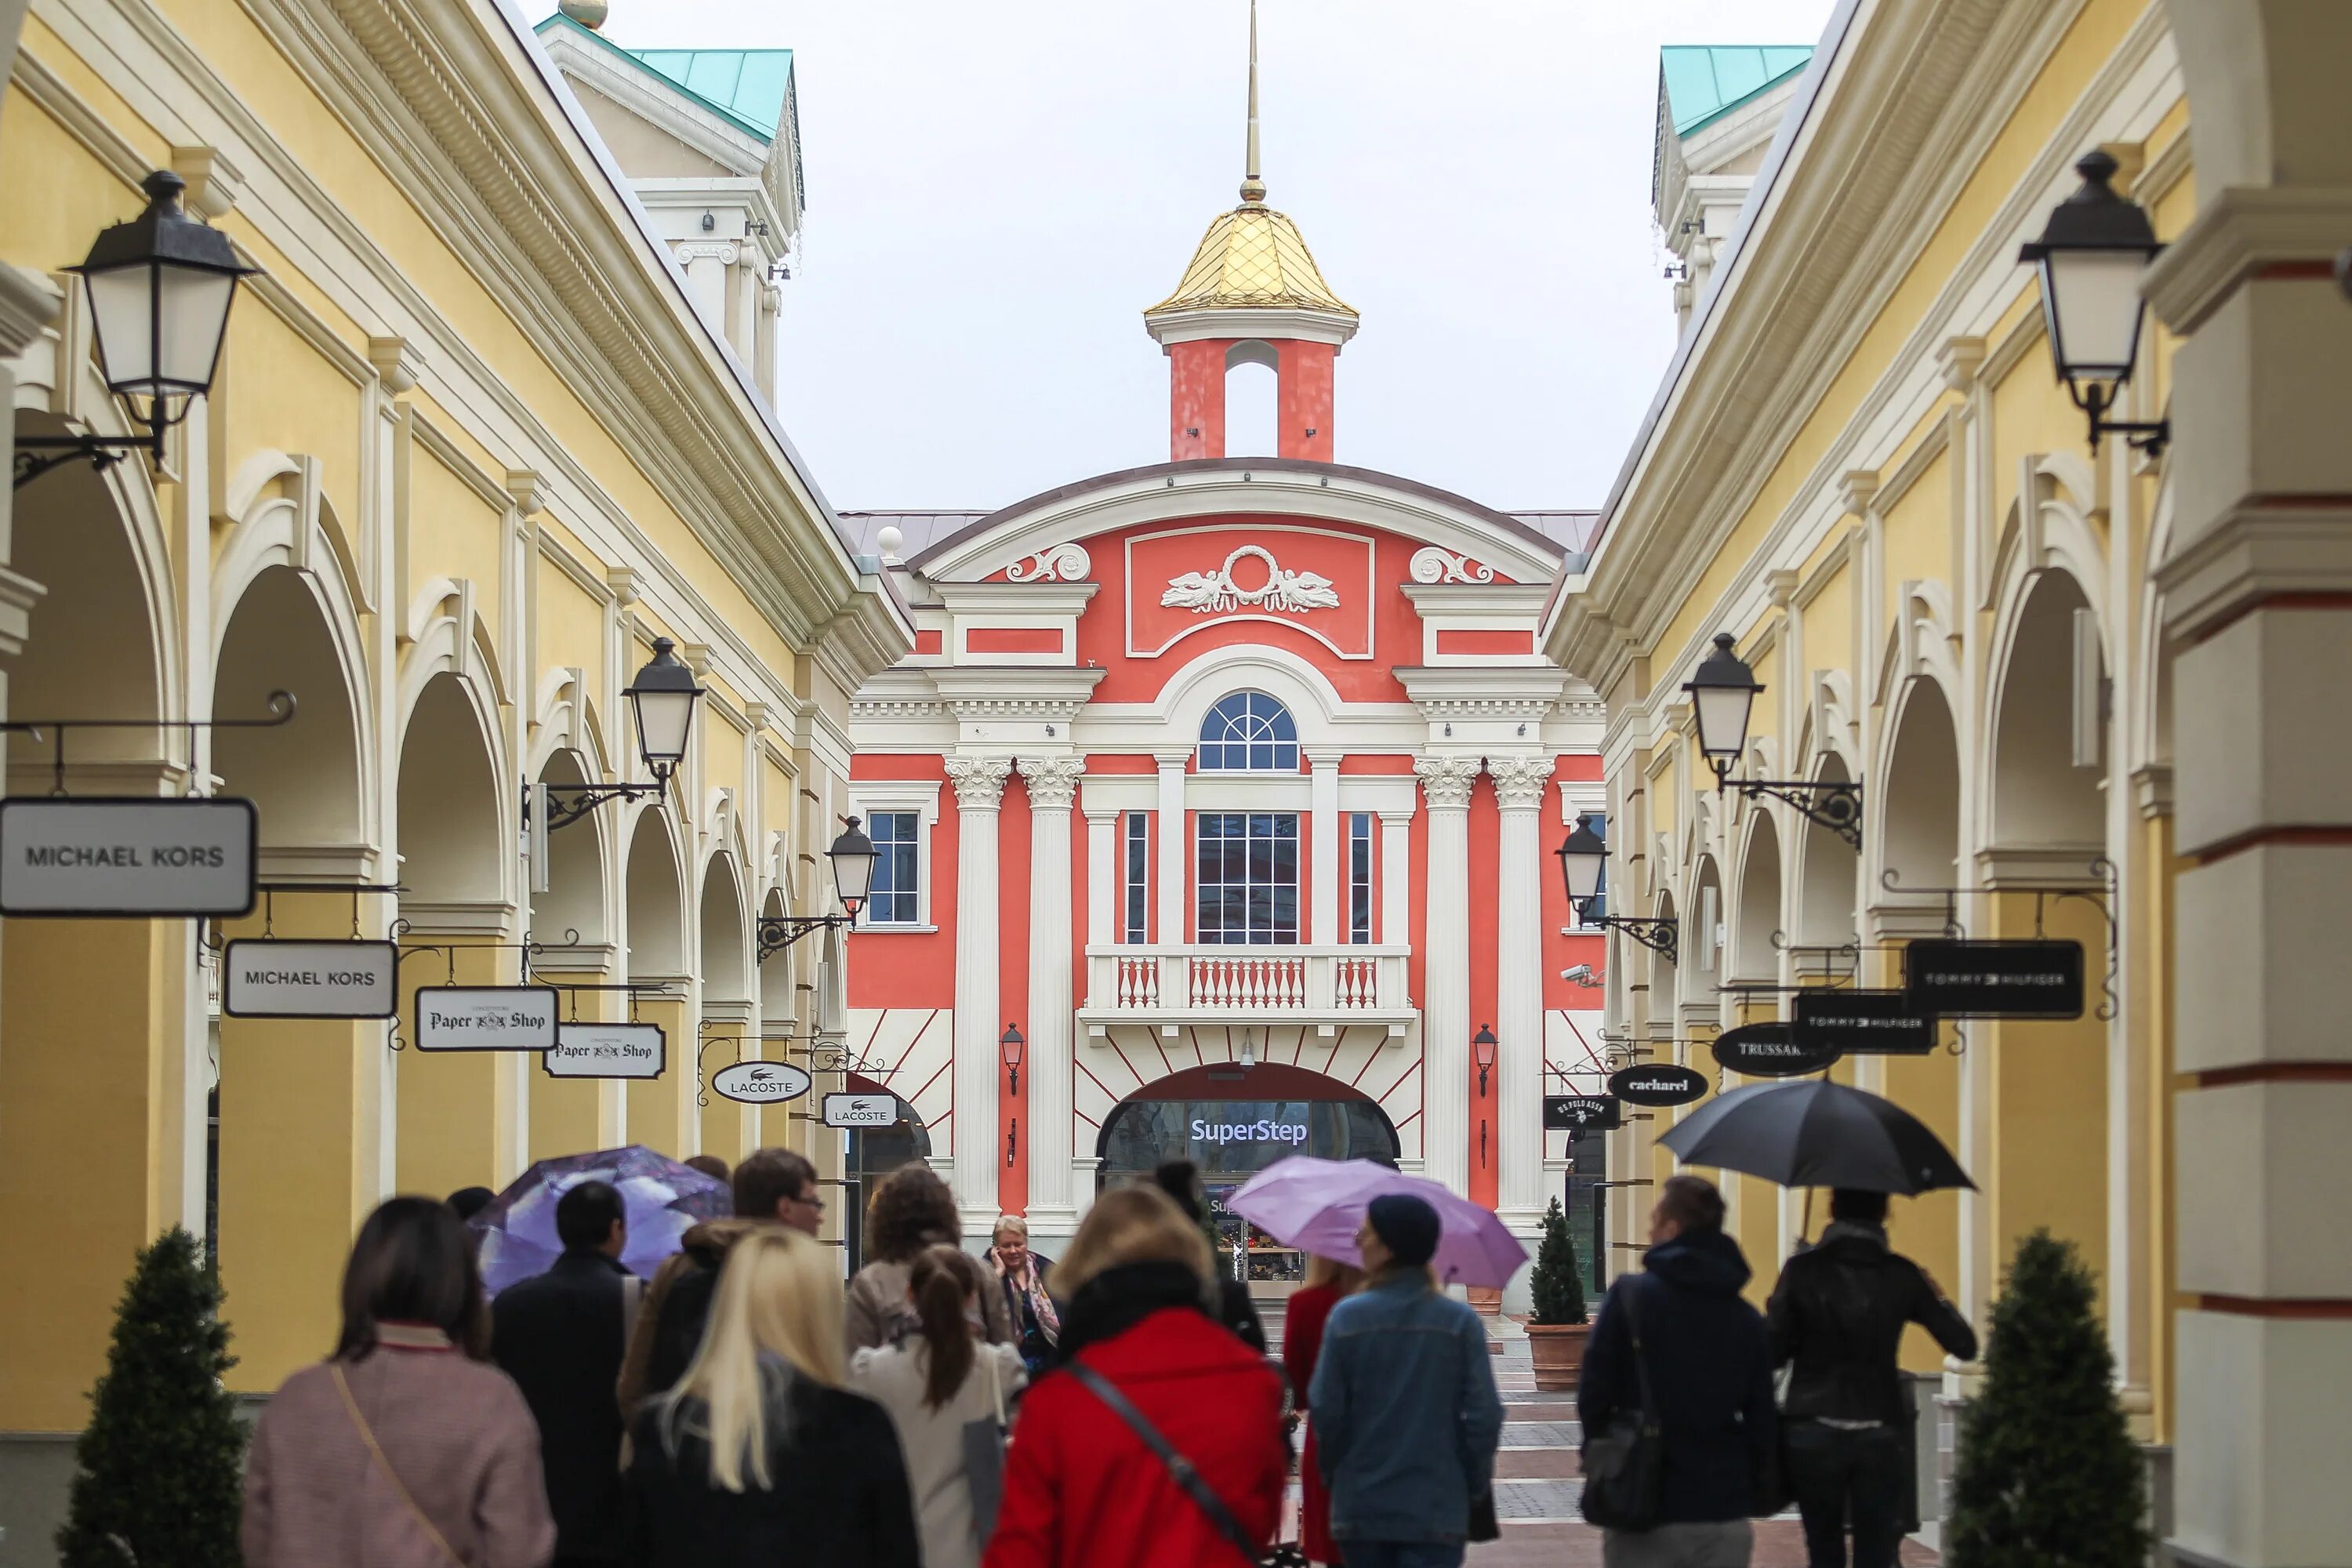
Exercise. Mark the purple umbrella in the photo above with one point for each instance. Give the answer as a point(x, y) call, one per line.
point(660, 1199)
point(1316, 1206)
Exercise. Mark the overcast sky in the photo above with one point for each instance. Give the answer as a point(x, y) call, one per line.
point(996, 192)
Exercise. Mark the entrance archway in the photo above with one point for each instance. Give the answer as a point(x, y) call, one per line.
point(873, 1152)
point(660, 1111)
point(727, 1007)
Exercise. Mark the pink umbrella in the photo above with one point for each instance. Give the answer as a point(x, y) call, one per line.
point(1316, 1206)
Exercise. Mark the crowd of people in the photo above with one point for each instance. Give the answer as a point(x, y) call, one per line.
point(1116, 1406)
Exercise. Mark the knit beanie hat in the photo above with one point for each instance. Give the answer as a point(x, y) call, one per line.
point(1406, 1225)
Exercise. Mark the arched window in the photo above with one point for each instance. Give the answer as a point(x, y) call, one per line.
point(1249, 732)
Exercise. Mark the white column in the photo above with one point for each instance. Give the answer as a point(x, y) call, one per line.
point(980, 794)
point(1053, 784)
point(1396, 879)
point(1520, 784)
point(1329, 897)
point(1172, 845)
point(1103, 924)
point(1445, 1012)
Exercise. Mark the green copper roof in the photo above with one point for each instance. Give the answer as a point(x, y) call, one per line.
point(1702, 80)
point(753, 88)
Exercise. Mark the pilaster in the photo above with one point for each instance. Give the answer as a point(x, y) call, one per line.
point(1446, 781)
point(980, 796)
point(1052, 785)
point(1520, 785)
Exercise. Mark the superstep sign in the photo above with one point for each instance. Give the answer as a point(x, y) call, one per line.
point(265, 979)
point(607, 1051)
point(485, 1017)
point(137, 858)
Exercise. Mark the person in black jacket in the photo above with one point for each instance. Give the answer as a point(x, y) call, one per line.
point(760, 1456)
point(1838, 1314)
point(559, 1336)
point(1180, 1180)
point(1710, 1374)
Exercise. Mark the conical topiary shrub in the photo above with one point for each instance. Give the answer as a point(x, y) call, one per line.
point(2048, 1473)
point(159, 1477)
point(1558, 1284)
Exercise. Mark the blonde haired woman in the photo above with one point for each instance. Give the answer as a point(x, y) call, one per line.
point(1083, 1486)
point(760, 1456)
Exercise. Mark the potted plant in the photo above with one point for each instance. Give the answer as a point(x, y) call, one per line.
point(1558, 1327)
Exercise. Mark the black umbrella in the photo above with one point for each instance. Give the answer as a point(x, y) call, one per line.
point(1817, 1134)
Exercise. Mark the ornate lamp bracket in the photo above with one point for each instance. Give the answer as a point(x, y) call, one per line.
point(778, 932)
point(1657, 935)
point(1834, 804)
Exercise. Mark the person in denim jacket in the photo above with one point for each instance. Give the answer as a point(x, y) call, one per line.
point(1403, 1368)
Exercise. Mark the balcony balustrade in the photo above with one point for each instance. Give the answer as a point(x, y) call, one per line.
point(1206, 983)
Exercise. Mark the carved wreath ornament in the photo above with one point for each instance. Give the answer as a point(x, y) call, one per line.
point(1287, 593)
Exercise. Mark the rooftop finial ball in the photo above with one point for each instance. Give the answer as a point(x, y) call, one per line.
point(589, 14)
point(887, 538)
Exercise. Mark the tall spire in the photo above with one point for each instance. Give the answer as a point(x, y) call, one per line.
point(1253, 188)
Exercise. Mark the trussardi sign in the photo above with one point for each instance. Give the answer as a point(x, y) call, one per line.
point(1995, 979)
point(1769, 1050)
point(1864, 1023)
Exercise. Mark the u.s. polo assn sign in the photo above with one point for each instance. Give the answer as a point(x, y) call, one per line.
point(136, 858)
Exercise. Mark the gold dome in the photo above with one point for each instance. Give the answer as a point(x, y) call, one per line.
point(1253, 257)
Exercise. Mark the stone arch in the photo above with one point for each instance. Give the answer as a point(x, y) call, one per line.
point(1701, 955)
point(654, 892)
point(1756, 915)
point(291, 628)
point(725, 938)
point(1916, 811)
point(575, 898)
point(1661, 967)
point(454, 820)
point(1825, 872)
point(775, 972)
point(2039, 798)
point(1314, 704)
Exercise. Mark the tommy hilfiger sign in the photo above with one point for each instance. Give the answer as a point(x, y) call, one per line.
point(1996, 979)
point(1864, 1023)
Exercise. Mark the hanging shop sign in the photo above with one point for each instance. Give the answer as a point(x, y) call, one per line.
point(861, 1110)
point(607, 1051)
point(134, 859)
point(1580, 1113)
point(1667, 1083)
point(263, 978)
point(1995, 979)
point(1864, 1023)
point(486, 1017)
point(1769, 1050)
point(760, 1083)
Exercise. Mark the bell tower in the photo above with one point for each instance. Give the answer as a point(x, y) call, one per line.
point(1252, 295)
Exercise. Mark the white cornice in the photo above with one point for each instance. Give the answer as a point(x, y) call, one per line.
point(1264, 323)
point(1025, 598)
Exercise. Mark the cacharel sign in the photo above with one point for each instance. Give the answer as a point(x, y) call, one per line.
point(1769, 1050)
point(1265, 1129)
point(130, 857)
point(1666, 1083)
point(606, 1051)
point(266, 979)
point(486, 1017)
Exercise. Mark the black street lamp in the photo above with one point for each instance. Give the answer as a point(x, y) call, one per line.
point(663, 696)
point(1010, 1045)
point(1484, 1044)
point(1723, 692)
point(853, 855)
point(159, 288)
point(2091, 255)
point(1582, 854)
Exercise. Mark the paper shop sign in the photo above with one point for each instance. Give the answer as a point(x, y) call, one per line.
point(606, 1051)
point(760, 1083)
point(1580, 1113)
point(266, 979)
point(861, 1110)
point(1864, 1023)
point(1666, 1084)
point(1995, 979)
point(486, 1017)
point(132, 858)
point(1769, 1050)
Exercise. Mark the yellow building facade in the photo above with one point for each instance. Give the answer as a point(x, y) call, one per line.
point(2066, 682)
point(470, 451)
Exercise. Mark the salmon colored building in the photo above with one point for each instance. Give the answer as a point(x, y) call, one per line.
point(1229, 785)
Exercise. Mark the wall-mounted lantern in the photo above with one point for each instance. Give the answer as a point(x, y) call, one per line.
point(2090, 256)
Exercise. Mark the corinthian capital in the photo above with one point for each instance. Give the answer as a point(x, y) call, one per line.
point(1520, 782)
point(979, 780)
point(1447, 780)
point(1053, 781)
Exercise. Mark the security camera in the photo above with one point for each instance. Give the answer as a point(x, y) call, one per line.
point(1581, 975)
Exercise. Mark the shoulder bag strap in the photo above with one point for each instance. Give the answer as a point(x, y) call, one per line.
point(1179, 1467)
point(375, 1452)
point(1641, 1361)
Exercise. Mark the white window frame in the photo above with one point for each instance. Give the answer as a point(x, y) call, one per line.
point(920, 797)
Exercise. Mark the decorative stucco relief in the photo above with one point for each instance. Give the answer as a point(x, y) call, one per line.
point(1058, 564)
point(1290, 592)
point(1431, 565)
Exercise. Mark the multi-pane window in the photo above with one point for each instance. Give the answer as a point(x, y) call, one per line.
point(1360, 877)
point(1248, 876)
point(896, 898)
point(1139, 877)
point(1249, 732)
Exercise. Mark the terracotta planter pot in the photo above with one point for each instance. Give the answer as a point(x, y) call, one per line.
point(1559, 1350)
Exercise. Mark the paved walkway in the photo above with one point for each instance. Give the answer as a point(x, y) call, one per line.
point(1535, 1487)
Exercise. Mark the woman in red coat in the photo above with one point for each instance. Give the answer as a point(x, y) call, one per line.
point(1081, 1489)
point(1327, 1281)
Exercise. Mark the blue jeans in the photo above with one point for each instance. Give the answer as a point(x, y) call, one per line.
point(1401, 1553)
